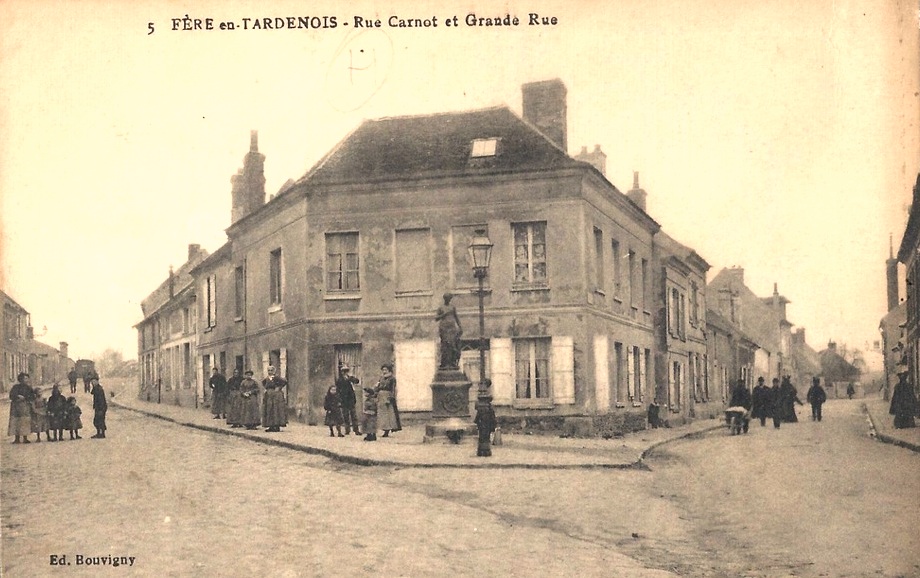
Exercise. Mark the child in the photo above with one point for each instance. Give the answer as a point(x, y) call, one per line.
point(485, 423)
point(370, 414)
point(57, 413)
point(333, 407)
point(40, 416)
point(74, 423)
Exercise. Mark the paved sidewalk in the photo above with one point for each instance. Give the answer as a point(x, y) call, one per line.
point(406, 449)
point(883, 424)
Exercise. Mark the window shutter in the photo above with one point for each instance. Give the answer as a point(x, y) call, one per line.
point(265, 364)
point(643, 385)
point(630, 373)
point(415, 367)
point(282, 370)
point(502, 381)
point(601, 373)
point(563, 385)
point(672, 402)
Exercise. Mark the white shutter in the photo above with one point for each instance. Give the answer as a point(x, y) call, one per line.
point(601, 373)
point(643, 384)
point(265, 364)
point(563, 385)
point(415, 368)
point(282, 370)
point(502, 380)
point(672, 402)
point(630, 374)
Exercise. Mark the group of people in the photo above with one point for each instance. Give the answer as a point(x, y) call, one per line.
point(242, 402)
point(379, 410)
point(31, 413)
point(777, 402)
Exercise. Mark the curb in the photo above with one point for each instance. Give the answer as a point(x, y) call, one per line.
point(686, 435)
point(885, 437)
point(350, 459)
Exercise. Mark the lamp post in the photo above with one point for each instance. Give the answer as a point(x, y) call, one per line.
point(480, 253)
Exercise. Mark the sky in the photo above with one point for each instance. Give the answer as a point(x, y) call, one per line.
point(778, 136)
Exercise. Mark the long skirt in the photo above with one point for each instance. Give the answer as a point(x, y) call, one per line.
point(249, 411)
point(274, 408)
point(386, 415)
point(235, 409)
point(219, 404)
point(19, 426)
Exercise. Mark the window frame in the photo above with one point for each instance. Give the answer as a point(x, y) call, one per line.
point(335, 240)
point(531, 262)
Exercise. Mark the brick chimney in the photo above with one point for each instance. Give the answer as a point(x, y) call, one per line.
point(596, 158)
point(545, 108)
point(172, 283)
point(248, 184)
point(63, 349)
point(193, 250)
point(637, 194)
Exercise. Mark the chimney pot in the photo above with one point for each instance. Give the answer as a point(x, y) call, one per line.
point(544, 106)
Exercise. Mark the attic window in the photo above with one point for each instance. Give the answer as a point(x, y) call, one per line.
point(484, 147)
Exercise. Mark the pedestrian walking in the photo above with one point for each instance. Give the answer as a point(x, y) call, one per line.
point(387, 419)
point(74, 421)
point(100, 407)
point(790, 398)
point(72, 379)
point(333, 406)
point(21, 395)
point(249, 402)
point(485, 423)
point(234, 399)
point(370, 414)
point(40, 416)
point(850, 390)
point(816, 396)
point(761, 406)
point(345, 385)
point(777, 404)
point(904, 405)
point(274, 406)
point(57, 413)
point(219, 393)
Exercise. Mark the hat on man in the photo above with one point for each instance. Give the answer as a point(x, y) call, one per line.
point(344, 368)
point(248, 372)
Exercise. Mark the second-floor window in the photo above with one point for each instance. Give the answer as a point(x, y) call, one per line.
point(211, 300)
point(598, 259)
point(239, 283)
point(342, 262)
point(275, 273)
point(529, 253)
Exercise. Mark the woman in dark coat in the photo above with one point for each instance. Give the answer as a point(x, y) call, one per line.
point(790, 398)
point(57, 413)
point(21, 396)
point(903, 403)
point(249, 404)
point(274, 406)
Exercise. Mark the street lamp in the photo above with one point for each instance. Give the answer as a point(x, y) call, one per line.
point(480, 253)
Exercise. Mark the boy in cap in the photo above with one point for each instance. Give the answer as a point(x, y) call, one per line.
point(345, 386)
point(100, 406)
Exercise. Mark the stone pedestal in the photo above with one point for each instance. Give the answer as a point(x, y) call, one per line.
point(450, 408)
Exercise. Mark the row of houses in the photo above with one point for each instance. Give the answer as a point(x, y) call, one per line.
point(591, 309)
point(23, 353)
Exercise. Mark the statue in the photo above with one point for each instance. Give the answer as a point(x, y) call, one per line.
point(449, 332)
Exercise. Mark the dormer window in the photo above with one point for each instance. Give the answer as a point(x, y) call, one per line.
point(484, 147)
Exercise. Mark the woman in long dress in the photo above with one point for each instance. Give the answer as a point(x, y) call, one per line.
point(249, 404)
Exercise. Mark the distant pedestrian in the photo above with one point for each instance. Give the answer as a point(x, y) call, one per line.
point(761, 406)
point(219, 393)
point(234, 399)
point(88, 378)
point(74, 421)
point(777, 404)
point(345, 385)
point(21, 396)
point(485, 423)
point(387, 418)
point(100, 407)
point(816, 397)
point(904, 405)
point(790, 398)
point(40, 416)
point(249, 403)
point(653, 414)
point(274, 406)
point(850, 390)
point(57, 413)
point(72, 379)
point(369, 426)
point(333, 406)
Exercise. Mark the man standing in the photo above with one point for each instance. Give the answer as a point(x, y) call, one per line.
point(219, 391)
point(21, 396)
point(777, 402)
point(760, 402)
point(100, 406)
point(816, 397)
point(72, 379)
point(274, 407)
point(345, 386)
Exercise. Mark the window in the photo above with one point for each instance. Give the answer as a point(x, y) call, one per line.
point(211, 300)
point(615, 251)
point(529, 253)
point(633, 289)
point(484, 147)
point(413, 261)
point(239, 283)
point(694, 303)
point(342, 262)
point(531, 368)
point(598, 259)
point(639, 372)
point(461, 235)
point(275, 274)
point(186, 320)
point(622, 394)
point(643, 288)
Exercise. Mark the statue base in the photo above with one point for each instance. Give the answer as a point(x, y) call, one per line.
point(450, 408)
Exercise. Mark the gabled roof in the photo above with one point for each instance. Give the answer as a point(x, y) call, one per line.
point(438, 145)
point(717, 320)
point(181, 279)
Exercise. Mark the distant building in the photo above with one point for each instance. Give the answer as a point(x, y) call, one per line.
point(909, 255)
point(837, 371)
point(21, 352)
point(731, 354)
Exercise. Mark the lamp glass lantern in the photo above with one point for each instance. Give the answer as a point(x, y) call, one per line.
point(480, 250)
